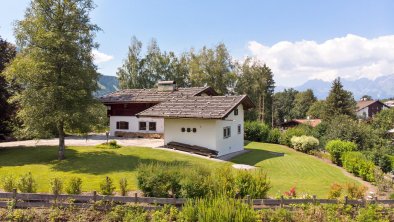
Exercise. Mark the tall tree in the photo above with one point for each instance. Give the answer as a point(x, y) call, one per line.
point(55, 67)
point(317, 109)
point(256, 80)
point(302, 102)
point(212, 67)
point(283, 103)
point(7, 53)
point(339, 101)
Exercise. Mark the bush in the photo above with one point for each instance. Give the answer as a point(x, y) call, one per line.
point(74, 186)
point(194, 183)
point(380, 159)
point(56, 186)
point(27, 184)
point(253, 183)
point(285, 137)
point(354, 191)
point(256, 131)
point(335, 191)
point(337, 147)
point(113, 144)
point(357, 163)
point(123, 186)
point(107, 187)
point(274, 136)
point(304, 143)
point(8, 183)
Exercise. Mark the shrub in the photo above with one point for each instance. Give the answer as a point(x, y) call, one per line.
point(159, 180)
point(291, 193)
point(335, 191)
point(113, 144)
point(256, 131)
point(380, 159)
point(274, 136)
point(56, 186)
point(354, 191)
point(304, 143)
point(107, 187)
point(74, 186)
point(357, 163)
point(194, 183)
point(337, 147)
point(123, 186)
point(27, 184)
point(285, 137)
point(253, 183)
point(8, 183)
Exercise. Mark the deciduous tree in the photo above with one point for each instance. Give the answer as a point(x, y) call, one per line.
point(339, 101)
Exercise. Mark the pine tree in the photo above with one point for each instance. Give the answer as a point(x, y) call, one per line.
point(339, 101)
point(55, 68)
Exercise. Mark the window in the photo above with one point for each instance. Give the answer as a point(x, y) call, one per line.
point(239, 129)
point(183, 129)
point(152, 126)
point(236, 112)
point(226, 132)
point(142, 126)
point(188, 130)
point(194, 130)
point(122, 125)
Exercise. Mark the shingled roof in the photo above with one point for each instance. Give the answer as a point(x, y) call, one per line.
point(205, 107)
point(364, 103)
point(153, 95)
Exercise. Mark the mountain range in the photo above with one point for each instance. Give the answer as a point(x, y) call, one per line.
point(380, 88)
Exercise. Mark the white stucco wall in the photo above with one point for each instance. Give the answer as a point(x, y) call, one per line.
point(209, 132)
point(134, 124)
point(361, 112)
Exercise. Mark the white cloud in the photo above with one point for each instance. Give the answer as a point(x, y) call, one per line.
point(349, 57)
point(100, 57)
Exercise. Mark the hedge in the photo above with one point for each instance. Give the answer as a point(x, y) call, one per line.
point(304, 143)
point(357, 163)
point(337, 147)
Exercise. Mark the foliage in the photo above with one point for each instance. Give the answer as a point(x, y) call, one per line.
point(55, 68)
point(317, 109)
point(254, 183)
point(283, 103)
point(107, 187)
point(112, 144)
point(123, 186)
point(291, 193)
point(274, 136)
point(380, 159)
point(302, 102)
point(335, 191)
point(56, 185)
point(354, 191)
point(8, 183)
point(383, 121)
point(194, 183)
point(304, 143)
point(357, 163)
point(27, 184)
point(256, 131)
point(337, 147)
point(7, 52)
point(300, 130)
point(256, 81)
point(339, 101)
point(347, 129)
point(218, 208)
point(74, 186)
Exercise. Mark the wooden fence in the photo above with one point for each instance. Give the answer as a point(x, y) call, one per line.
point(28, 200)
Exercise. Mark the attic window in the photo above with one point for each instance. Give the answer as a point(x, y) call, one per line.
point(194, 130)
point(236, 112)
point(188, 130)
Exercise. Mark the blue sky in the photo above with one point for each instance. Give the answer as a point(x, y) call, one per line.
point(298, 39)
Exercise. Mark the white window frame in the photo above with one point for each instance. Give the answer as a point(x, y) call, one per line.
point(226, 132)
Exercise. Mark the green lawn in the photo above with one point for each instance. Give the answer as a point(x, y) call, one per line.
point(92, 164)
point(286, 168)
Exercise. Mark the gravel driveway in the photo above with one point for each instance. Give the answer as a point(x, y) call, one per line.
point(91, 141)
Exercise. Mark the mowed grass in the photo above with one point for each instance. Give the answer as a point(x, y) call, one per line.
point(287, 168)
point(89, 163)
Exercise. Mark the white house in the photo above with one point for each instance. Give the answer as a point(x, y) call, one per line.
point(212, 122)
point(369, 108)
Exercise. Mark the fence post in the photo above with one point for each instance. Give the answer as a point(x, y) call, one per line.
point(248, 199)
point(14, 199)
point(94, 196)
point(376, 200)
point(135, 197)
point(346, 199)
point(281, 201)
point(174, 200)
point(314, 199)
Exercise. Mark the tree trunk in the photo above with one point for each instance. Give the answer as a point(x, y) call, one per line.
point(61, 141)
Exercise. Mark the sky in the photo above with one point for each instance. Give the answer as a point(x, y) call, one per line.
point(299, 40)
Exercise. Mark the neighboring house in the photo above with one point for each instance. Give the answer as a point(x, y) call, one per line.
point(213, 122)
point(390, 103)
point(368, 108)
point(123, 105)
point(296, 122)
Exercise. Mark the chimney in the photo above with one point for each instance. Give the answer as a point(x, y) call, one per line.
point(166, 86)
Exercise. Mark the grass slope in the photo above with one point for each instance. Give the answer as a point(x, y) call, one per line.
point(287, 167)
point(90, 163)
